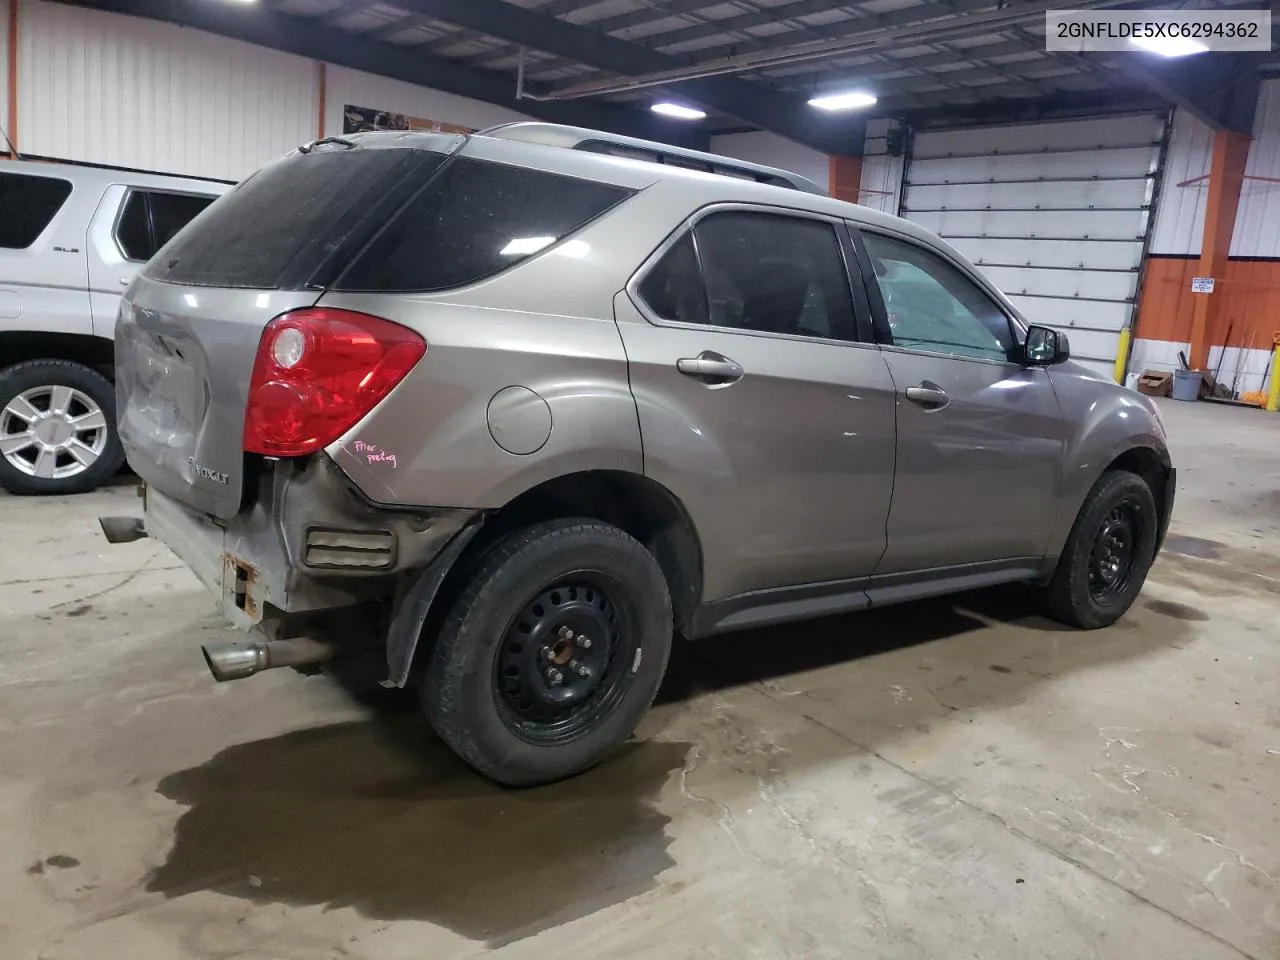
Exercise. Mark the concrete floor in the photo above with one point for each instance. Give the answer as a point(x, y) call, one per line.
point(954, 779)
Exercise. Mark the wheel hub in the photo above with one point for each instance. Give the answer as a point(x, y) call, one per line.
point(560, 657)
point(1112, 556)
point(52, 432)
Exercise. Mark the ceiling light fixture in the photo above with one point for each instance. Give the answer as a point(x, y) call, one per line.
point(1169, 46)
point(677, 110)
point(843, 101)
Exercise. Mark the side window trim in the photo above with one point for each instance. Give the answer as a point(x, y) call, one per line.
point(861, 308)
point(880, 315)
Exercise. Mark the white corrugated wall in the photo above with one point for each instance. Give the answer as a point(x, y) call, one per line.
point(1179, 226)
point(774, 151)
point(139, 93)
point(344, 86)
point(881, 173)
point(1257, 230)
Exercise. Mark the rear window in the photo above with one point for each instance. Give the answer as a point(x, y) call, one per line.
point(474, 220)
point(29, 205)
point(287, 221)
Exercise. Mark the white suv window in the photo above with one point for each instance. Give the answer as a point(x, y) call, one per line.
point(933, 307)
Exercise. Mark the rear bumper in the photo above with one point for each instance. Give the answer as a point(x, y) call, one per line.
point(308, 543)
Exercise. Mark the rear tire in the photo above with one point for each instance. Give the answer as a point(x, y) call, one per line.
point(57, 428)
point(1108, 553)
point(553, 652)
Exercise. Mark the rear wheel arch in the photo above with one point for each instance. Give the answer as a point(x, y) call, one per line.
point(635, 504)
point(19, 346)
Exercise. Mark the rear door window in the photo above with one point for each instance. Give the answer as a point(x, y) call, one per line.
point(758, 272)
point(151, 218)
point(474, 220)
point(281, 226)
point(29, 204)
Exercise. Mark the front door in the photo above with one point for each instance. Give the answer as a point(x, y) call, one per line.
point(980, 437)
point(759, 406)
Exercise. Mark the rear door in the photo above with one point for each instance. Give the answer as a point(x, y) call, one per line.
point(761, 405)
point(43, 285)
point(980, 436)
point(129, 226)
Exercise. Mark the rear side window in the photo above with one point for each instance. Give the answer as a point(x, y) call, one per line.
point(29, 205)
point(151, 218)
point(280, 226)
point(761, 272)
point(474, 220)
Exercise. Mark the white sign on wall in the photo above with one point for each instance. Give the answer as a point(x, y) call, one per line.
point(1202, 284)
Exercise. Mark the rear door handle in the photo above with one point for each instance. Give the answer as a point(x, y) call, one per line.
point(928, 395)
point(711, 368)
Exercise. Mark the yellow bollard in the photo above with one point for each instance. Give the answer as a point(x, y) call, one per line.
point(1273, 395)
point(1122, 355)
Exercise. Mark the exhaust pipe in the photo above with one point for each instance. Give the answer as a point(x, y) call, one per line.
point(122, 529)
point(235, 660)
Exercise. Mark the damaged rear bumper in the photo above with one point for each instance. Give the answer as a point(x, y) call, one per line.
point(309, 542)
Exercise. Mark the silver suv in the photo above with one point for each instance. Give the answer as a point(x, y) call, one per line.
point(72, 236)
point(533, 401)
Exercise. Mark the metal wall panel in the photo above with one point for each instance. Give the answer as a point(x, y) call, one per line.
point(345, 86)
point(1057, 214)
point(881, 174)
point(775, 151)
point(138, 93)
point(1179, 226)
point(1257, 231)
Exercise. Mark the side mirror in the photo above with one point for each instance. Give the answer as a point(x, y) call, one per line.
point(1045, 347)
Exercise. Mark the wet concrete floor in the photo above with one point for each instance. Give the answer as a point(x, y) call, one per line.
point(954, 778)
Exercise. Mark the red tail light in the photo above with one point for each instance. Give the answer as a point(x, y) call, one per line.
point(317, 372)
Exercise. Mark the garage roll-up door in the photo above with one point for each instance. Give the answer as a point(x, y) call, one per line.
point(1056, 214)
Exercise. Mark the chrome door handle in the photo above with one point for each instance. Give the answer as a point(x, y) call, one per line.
point(928, 395)
point(710, 367)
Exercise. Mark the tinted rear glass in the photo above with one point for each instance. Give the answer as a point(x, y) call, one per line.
point(475, 219)
point(279, 226)
point(28, 205)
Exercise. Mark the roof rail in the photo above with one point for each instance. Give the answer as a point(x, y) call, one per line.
point(597, 141)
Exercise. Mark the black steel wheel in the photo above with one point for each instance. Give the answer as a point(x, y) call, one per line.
point(1108, 553)
point(552, 653)
point(1111, 560)
point(564, 660)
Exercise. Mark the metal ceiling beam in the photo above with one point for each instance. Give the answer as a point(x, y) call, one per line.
point(1062, 106)
point(305, 37)
point(767, 109)
point(1218, 89)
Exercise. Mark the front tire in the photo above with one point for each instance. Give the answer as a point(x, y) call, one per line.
point(1108, 553)
point(57, 428)
point(552, 654)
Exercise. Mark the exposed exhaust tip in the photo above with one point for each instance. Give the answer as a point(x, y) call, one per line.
point(122, 529)
point(234, 661)
point(240, 659)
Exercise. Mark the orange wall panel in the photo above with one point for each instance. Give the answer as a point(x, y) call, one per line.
point(1248, 305)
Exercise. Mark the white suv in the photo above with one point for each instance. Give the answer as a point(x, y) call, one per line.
point(71, 239)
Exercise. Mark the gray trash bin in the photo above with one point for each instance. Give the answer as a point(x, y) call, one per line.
point(1186, 384)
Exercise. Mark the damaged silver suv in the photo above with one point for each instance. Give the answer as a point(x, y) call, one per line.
point(535, 400)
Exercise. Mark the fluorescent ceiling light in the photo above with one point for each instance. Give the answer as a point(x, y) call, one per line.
point(843, 101)
point(677, 110)
point(523, 246)
point(1169, 46)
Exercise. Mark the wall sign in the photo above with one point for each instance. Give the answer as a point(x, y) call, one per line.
point(1202, 284)
point(365, 119)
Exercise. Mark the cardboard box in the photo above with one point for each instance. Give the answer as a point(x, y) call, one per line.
point(1155, 383)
